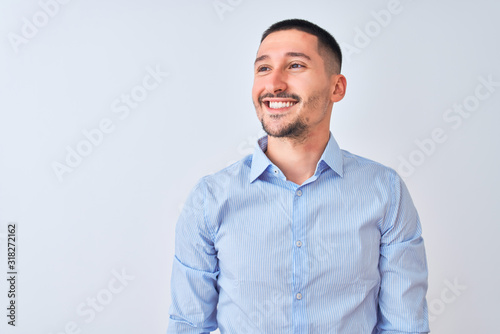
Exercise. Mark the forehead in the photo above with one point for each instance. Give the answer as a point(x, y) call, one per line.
point(281, 42)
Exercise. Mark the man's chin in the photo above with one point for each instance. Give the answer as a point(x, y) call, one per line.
point(293, 131)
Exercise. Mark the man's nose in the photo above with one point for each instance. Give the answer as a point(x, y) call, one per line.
point(276, 82)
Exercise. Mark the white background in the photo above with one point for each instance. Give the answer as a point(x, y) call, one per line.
point(116, 210)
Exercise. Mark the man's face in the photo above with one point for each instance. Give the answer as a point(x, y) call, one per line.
point(292, 92)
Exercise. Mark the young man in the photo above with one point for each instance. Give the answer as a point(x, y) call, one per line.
point(300, 237)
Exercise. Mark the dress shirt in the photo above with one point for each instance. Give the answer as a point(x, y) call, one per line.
point(341, 253)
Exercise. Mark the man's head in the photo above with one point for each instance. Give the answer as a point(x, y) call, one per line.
point(328, 47)
point(297, 79)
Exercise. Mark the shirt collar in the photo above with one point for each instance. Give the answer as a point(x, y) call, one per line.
point(331, 158)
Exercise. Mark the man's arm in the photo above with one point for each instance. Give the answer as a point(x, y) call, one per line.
point(403, 267)
point(194, 272)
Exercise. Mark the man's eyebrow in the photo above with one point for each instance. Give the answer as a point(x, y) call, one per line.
point(298, 54)
point(288, 54)
point(261, 58)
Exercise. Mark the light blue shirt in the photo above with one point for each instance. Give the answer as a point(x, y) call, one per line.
point(341, 253)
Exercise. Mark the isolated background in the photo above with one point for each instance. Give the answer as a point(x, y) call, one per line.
point(116, 211)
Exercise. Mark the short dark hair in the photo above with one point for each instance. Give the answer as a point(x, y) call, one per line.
point(326, 42)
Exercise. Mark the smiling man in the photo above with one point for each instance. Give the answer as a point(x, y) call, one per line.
point(300, 236)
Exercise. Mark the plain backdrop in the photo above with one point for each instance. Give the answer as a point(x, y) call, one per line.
point(95, 218)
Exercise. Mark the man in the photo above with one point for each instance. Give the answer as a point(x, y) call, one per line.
point(300, 237)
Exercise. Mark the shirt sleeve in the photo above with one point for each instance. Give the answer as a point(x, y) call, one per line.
point(403, 267)
point(195, 269)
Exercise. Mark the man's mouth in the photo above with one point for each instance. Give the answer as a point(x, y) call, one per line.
point(280, 105)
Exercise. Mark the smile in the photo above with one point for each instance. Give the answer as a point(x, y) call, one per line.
point(280, 105)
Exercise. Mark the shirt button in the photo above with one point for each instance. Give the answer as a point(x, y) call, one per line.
point(298, 243)
point(299, 192)
point(275, 171)
point(299, 296)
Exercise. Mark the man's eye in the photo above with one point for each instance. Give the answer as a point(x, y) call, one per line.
point(263, 69)
point(296, 66)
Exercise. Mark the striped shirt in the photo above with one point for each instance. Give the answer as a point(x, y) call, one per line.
point(341, 253)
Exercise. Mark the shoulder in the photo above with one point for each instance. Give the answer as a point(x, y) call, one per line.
point(357, 164)
point(370, 175)
point(234, 175)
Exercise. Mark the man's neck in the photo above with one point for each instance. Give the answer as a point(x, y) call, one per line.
point(297, 159)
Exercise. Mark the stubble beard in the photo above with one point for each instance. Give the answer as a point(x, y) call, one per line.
point(296, 129)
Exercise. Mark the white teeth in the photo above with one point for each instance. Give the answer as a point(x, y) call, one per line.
point(278, 105)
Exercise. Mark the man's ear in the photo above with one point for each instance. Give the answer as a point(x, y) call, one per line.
point(339, 84)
